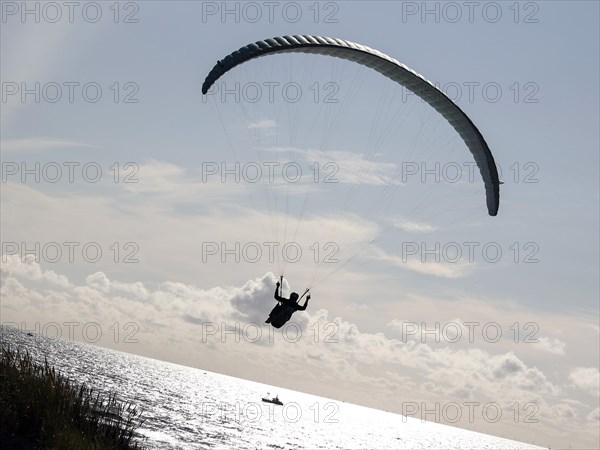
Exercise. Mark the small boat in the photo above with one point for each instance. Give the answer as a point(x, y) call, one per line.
point(275, 400)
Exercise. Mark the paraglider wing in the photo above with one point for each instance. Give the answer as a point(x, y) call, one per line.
point(393, 70)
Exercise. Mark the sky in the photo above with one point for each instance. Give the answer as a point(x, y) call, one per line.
point(119, 223)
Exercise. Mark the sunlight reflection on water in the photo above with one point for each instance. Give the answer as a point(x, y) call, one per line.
point(186, 408)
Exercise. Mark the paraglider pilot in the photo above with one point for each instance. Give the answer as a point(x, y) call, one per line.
point(282, 312)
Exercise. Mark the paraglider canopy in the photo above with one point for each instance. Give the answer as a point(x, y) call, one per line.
point(391, 69)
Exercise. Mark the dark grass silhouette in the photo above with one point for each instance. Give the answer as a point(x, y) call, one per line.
point(40, 408)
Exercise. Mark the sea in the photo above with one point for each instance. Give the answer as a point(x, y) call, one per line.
point(190, 408)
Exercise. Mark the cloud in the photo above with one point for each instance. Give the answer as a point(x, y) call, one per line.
point(565, 411)
point(30, 269)
point(339, 166)
point(355, 168)
point(412, 226)
point(438, 269)
point(262, 124)
point(40, 145)
point(552, 345)
point(100, 282)
point(587, 379)
point(170, 238)
point(173, 202)
point(229, 184)
point(510, 367)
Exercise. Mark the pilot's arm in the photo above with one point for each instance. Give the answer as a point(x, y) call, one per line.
point(303, 307)
point(278, 297)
